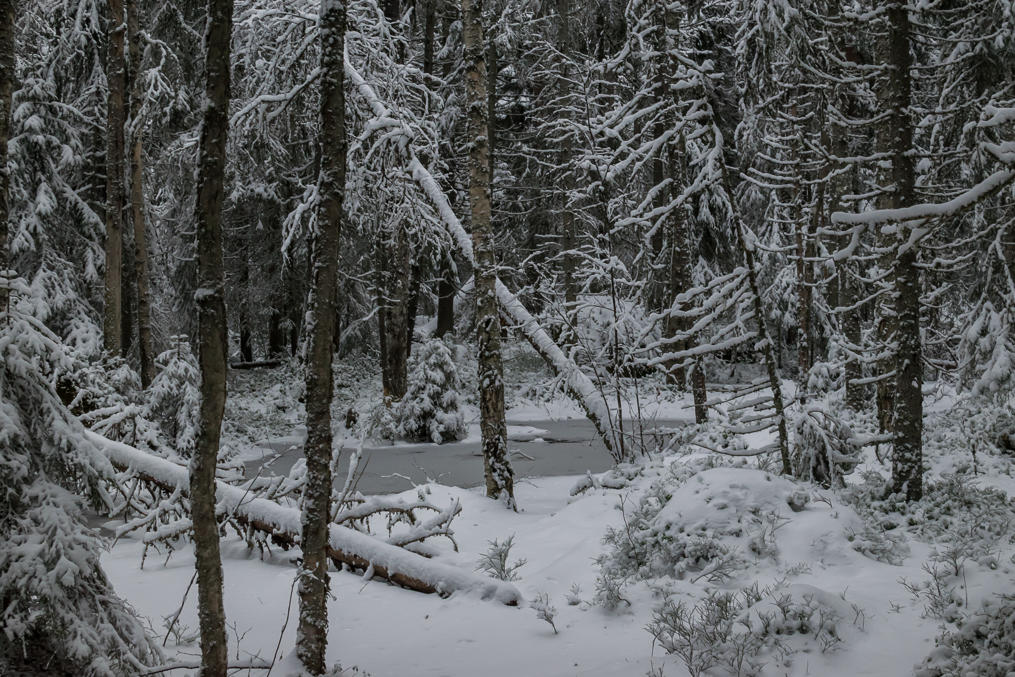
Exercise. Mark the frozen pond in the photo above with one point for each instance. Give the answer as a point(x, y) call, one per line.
point(538, 449)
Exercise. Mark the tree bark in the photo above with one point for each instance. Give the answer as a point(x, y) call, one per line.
point(6, 89)
point(116, 77)
point(212, 338)
point(144, 320)
point(907, 457)
point(681, 241)
point(497, 468)
point(568, 229)
point(312, 635)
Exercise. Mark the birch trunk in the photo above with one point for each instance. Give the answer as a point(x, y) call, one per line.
point(497, 468)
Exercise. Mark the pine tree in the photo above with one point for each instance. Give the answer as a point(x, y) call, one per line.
point(430, 412)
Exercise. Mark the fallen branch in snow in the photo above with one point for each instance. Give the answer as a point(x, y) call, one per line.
point(576, 382)
point(384, 559)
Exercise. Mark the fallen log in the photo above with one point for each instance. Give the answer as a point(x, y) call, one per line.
point(345, 546)
point(256, 364)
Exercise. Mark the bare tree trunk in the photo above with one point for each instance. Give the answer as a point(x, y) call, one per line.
point(446, 289)
point(116, 77)
point(681, 241)
point(805, 284)
point(212, 338)
point(6, 88)
point(907, 458)
point(849, 319)
point(312, 635)
point(393, 260)
point(144, 319)
point(569, 236)
point(498, 472)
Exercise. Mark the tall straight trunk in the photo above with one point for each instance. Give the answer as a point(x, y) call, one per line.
point(849, 295)
point(393, 322)
point(312, 637)
point(497, 468)
point(116, 77)
point(568, 227)
point(212, 338)
point(907, 457)
point(144, 320)
point(446, 285)
point(681, 241)
point(6, 88)
point(805, 284)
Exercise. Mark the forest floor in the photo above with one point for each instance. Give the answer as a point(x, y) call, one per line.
point(817, 581)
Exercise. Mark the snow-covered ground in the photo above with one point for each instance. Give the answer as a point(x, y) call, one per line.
point(814, 581)
point(880, 628)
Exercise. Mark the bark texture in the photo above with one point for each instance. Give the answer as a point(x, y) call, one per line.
point(212, 342)
point(116, 77)
point(907, 457)
point(6, 88)
point(137, 214)
point(497, 468)
point(312, 634)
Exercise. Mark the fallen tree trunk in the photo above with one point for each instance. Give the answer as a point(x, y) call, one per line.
point(576, 383)
point(345, 546)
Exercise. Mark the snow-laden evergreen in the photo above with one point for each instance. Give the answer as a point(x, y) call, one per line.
point(430, 410)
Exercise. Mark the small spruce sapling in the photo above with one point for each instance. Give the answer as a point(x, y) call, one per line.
point(494, 562)
point(430, 410)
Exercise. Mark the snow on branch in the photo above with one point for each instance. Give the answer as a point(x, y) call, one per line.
point(577, 384)
point(992, 183)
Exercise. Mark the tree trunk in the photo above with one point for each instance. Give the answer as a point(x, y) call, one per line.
point(497, 468)
point(116, 77)
point(212, 342)
point(144, 320)
point(393, 261)
point(6, 88)
point(682, 249)
point(312, 635)
point(446, 290)
point(907, 458)
point(849, 319)
point(568, 230)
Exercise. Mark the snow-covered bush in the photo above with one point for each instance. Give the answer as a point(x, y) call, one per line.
point(823, 446)
point(736, 631)
point(173, 398)
point(982, 644)
point(59, 610)
point(430, 410)
point(953, 510)
point(698, 524)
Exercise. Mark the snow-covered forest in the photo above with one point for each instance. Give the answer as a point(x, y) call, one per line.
point(507, 337)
